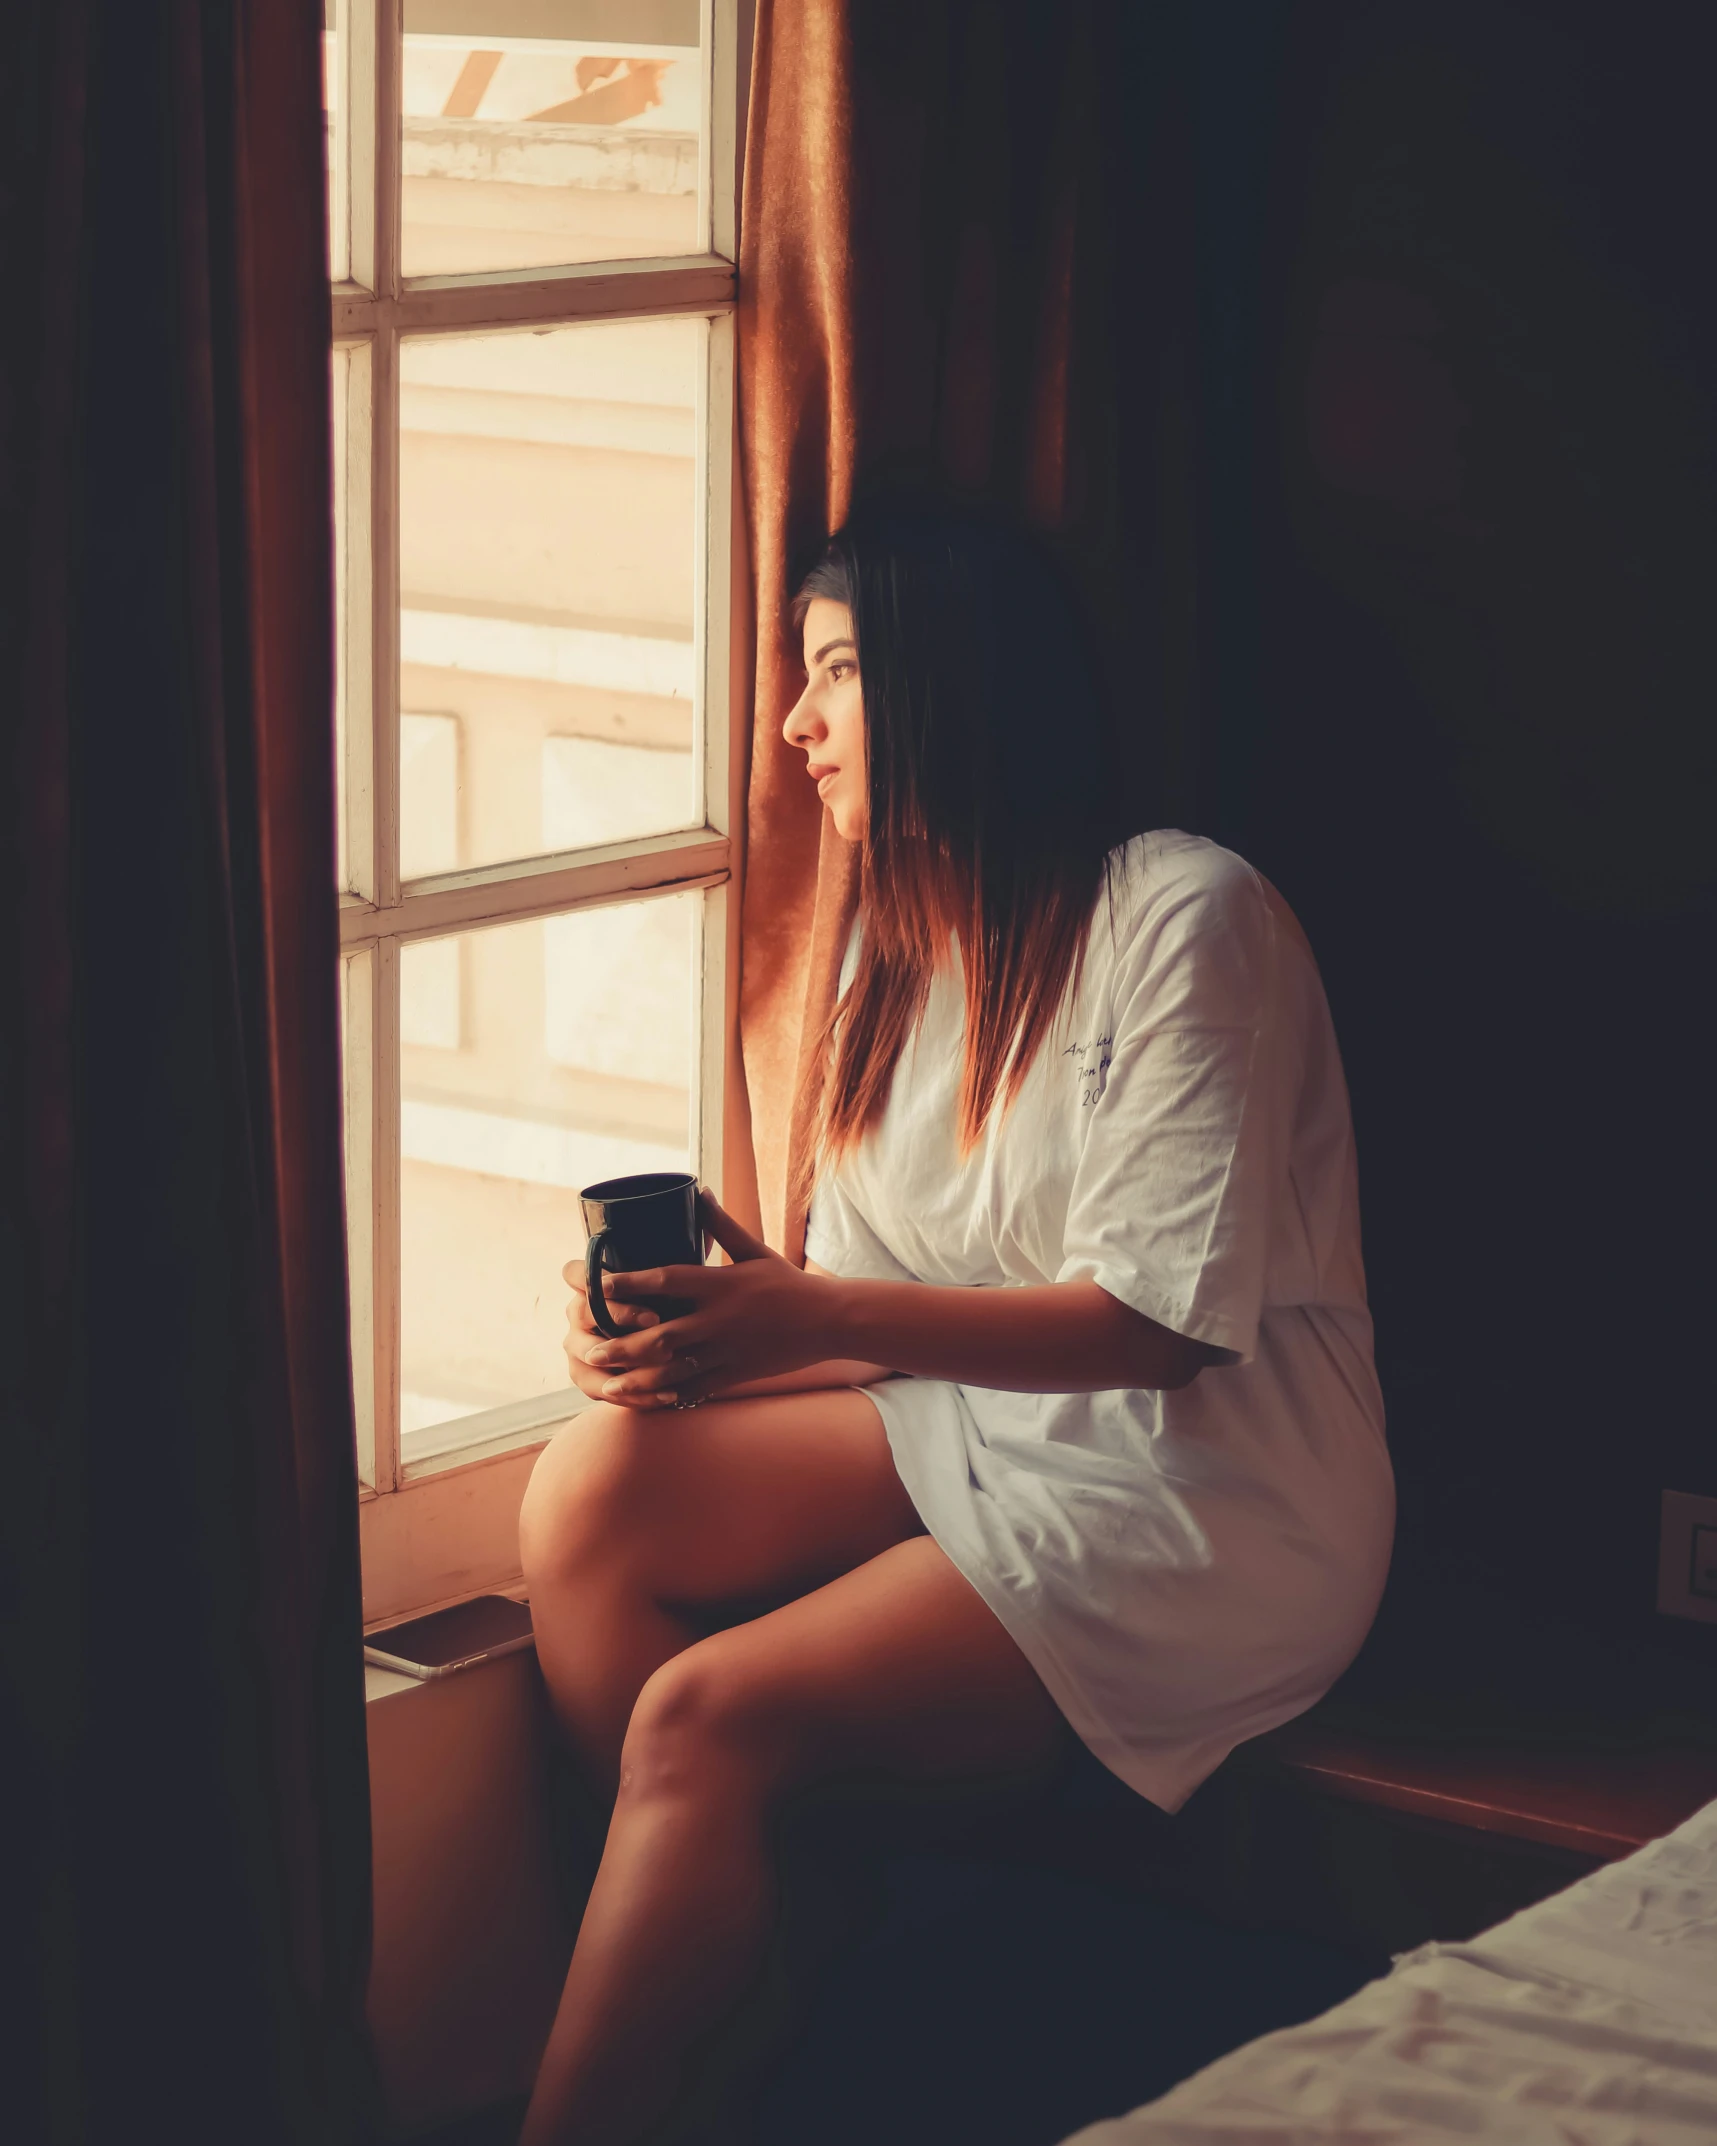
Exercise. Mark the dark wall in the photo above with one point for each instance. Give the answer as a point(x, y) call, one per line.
point(1452, 327)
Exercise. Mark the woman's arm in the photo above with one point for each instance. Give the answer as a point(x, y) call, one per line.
point(1057, 1337)
point(812, 1378)
point(838, 1371)
point(762, 1318)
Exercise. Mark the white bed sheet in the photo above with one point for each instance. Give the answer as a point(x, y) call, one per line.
point(1588, 2020)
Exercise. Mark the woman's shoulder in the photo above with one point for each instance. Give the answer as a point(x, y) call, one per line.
point(1165, 873)
point(1188, 924)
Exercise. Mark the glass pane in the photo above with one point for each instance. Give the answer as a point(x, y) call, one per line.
point(538, 133)
point(548, 516)
point(535, 1058)
point(333, 127)
point(431, 995)
point(428, 794)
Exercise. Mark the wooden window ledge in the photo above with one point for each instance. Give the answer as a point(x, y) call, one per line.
point(1603, 1804)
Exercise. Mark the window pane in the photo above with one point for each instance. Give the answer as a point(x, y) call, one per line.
point(428, 794)
point(567, 1057)
point(333, 124)
point(548, 518)
point(538, 133)
point(431, 1011)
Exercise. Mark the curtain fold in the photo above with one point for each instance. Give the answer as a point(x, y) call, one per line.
point(797, 432)
point(183, 1668)
point(958, 269)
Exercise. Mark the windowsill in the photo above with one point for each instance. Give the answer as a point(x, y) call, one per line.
point(466, 1439)
point(388, 1683)
point(449, 1535)
point(470, 1943)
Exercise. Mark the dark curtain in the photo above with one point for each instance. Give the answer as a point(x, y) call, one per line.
point(1361, 352)
point(187, 1847)
point(1469, 732)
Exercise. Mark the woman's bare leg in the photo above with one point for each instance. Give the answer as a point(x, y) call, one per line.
point(896, 1670)
point(636, 1522)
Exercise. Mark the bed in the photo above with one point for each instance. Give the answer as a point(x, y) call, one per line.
point(1588, 2020)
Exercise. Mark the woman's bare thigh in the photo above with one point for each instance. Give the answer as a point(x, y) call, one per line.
point(733, 1501)
point(896, 1670)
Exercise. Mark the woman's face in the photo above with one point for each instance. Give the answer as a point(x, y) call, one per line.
point(827, 721)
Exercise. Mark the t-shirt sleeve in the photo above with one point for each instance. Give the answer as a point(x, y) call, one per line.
point(839, 1238)
point(1170, 1208)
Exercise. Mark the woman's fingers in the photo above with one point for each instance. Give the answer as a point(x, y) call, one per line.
point(690, 1284)
point(636, 1389)
point(664, 1361)
point(733, 1237)
point(632, 1317)
point(677, 1377)
point(582, 1336)
point(582, 1330)
point(663, 1344)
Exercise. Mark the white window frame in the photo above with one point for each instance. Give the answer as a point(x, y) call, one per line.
point(444, 1527)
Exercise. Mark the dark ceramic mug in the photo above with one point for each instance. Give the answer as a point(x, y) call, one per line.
point(650, 1220)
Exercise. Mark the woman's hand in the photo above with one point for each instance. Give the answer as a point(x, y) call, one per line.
point(756, 1318)
point(582, 1334)
point(762, 1320)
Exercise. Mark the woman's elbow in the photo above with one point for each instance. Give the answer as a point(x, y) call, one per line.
point(1153, 1356)
point(1170, 1361)
point(1183, 1366)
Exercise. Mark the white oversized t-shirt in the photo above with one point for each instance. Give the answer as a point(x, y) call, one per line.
point(1183, 1570)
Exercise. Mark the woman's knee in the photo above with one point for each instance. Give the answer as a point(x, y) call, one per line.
point(587, 1496)
point(705, 1723)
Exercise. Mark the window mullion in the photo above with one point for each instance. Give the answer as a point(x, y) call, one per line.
point(497, 894)
point(357, 1037)
point(724, 123)
point(384, 612)
point(384, 1195)
point(388, 44)
point(358, 87)
point(384, 29)
point(709, 1041)
point(715, 569)
point(355, 536)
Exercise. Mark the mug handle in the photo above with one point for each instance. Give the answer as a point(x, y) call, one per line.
point(593, 1287)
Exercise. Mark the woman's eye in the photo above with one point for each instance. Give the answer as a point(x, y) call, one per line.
point(837, 671)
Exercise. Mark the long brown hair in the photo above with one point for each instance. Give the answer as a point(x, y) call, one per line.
point(994, 800)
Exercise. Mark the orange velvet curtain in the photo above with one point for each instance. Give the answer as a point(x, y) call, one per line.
point(923, 297)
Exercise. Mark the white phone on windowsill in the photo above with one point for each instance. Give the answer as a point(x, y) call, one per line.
point(458, 1638)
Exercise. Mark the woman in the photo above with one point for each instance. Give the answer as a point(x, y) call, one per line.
point(1069, 1423)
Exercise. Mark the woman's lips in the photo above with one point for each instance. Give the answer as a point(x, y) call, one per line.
point(823, 781)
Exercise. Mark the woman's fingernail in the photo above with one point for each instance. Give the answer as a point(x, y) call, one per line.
point(597, 1355)
point(611, 1387)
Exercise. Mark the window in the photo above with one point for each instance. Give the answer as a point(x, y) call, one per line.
point(531, 244)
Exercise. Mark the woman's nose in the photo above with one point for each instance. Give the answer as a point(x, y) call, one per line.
point(803, 726)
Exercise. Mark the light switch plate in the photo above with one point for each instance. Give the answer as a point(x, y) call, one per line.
point(1687, 1557)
